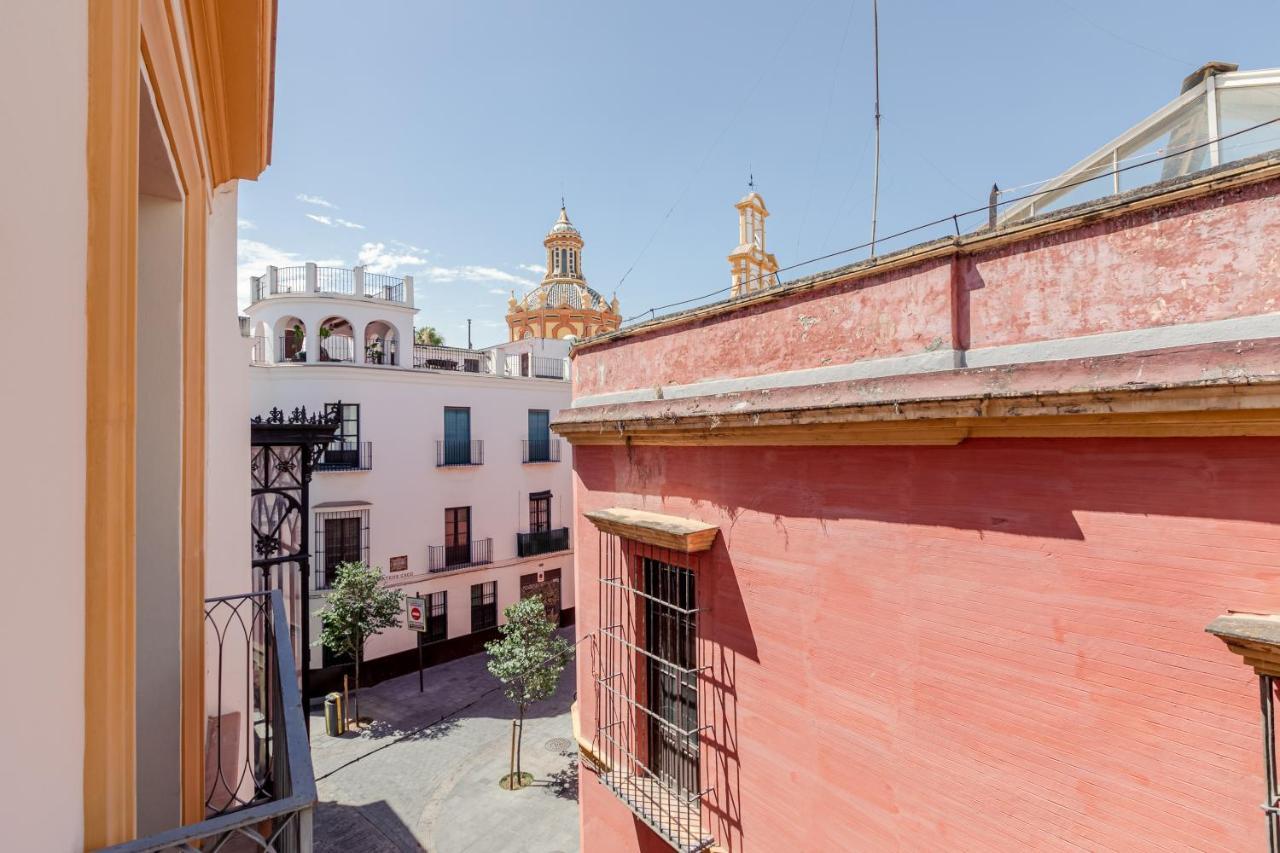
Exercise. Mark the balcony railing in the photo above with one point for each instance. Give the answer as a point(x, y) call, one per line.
point(291, 280)
point(260, 354)
point(346, 456)
point(537, 366)
point(450, 452)
point(335, 280)
point(381, 286)
point(337, 348)
point(542, 542)
point(290, 348)
point(380, 351)
point(541, 449)
point(260, 788)
point(451, 358)
point(446, 558)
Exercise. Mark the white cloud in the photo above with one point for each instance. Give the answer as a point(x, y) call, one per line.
point(253, 257)
point(316, 200)
point(377, 258)
point(410, 247)
point(535, 268)
point(245, 225)
point(471, 272)
point(498, 290)
point(333, 222)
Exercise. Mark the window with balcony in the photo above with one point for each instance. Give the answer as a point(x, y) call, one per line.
point(346, 452)
point(541, 538)
point(457, 535)
point(539, 445)
point(437, 616)
point(484, 606)
point(457, 448)
point(341, 537)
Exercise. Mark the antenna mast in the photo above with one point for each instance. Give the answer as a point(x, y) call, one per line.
point(875, 184)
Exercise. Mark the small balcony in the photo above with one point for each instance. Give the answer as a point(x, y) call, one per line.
point(354, 283)
point(542, 542)
point(447, 558)
point(260, 789)
point(346, 456)
point(451, 453)
point(540, 450)
point(537, 367)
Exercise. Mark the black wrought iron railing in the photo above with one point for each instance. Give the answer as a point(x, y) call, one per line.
point(450, 358)
point(291, 280)
point(444, 558)
point(337, 348)
point(537, 366)
point(346, 456)
point(290, 348)
point(383, 286)
point(541, 449)
point(335, 280)
point(380, 351)
point(542, 542)
point(451, 452)
point(260, 787)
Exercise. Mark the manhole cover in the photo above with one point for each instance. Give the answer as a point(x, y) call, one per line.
point(559, 744)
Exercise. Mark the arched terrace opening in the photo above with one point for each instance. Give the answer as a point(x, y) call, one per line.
point(290, 340)
point(337, 340)
point(381, 345)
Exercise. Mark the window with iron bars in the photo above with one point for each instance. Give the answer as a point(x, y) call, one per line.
point(438, 616)
point(484, 606)
point(649, 720)
point(341, 537)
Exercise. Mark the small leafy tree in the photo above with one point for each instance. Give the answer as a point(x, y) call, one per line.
point(427, 336)
point(528, 658)
point(359, 607)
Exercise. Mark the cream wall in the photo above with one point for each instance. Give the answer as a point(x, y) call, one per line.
point(43, 221)
point(402, 414)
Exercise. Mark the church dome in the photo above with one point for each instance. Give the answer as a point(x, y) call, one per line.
point(564, 226)
point(563, 294)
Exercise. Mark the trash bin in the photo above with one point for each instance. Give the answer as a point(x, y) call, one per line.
point(334, 724)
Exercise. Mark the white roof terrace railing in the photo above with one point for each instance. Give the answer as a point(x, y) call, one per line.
point(356, 282)
point(1220, 117)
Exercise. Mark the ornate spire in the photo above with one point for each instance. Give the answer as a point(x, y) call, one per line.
point(751, 267)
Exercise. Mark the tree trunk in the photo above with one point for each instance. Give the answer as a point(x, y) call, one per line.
point(520, 745)
point(357, 702)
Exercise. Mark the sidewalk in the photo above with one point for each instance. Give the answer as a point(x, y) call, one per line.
point(398, 788)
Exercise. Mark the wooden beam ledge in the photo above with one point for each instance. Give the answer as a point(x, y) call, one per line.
point(1253, 636)
point(664, 531)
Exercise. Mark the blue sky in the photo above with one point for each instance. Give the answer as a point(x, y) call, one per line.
point(437, 138)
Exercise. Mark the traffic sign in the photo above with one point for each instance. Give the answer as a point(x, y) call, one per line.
point(415, 614)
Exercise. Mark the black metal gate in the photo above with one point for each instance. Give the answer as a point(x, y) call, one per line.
point(284, 451)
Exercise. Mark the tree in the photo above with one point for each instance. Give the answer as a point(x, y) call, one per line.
point(359, 607)
point(528, 658)
point(427, 336)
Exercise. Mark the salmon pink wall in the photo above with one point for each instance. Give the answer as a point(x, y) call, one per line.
point(993, 646)
point(1202, 259)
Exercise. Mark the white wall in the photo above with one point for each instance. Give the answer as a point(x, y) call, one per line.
point(43, 221)
point(402, 414)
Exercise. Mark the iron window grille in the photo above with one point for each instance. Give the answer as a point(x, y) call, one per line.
point(437, 616)
point(484, 606)
point(341, 537)
point(648, 677)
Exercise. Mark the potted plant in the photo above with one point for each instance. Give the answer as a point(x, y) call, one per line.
point(373, 352)
point(325, 333)
point(299, 342)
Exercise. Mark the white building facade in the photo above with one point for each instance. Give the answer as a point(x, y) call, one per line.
point(444, 474)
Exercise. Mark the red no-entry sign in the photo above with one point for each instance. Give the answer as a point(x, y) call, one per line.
point(414, 608)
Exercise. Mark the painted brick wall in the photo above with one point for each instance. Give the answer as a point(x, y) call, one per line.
point(994, 646)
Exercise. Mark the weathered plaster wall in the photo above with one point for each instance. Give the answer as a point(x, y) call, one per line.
point(1209, 258)
point(993, 646)
point(1205, 259)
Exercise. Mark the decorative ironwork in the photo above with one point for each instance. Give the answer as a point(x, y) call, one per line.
point(446, 558)
point(542, 542)
point(541, 449)
point(284, 450)
point(450, 453)
point(261, 793)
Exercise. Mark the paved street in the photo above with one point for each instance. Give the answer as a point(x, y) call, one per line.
point(402, 787)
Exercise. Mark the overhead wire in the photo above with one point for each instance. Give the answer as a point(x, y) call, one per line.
point(953, 218)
